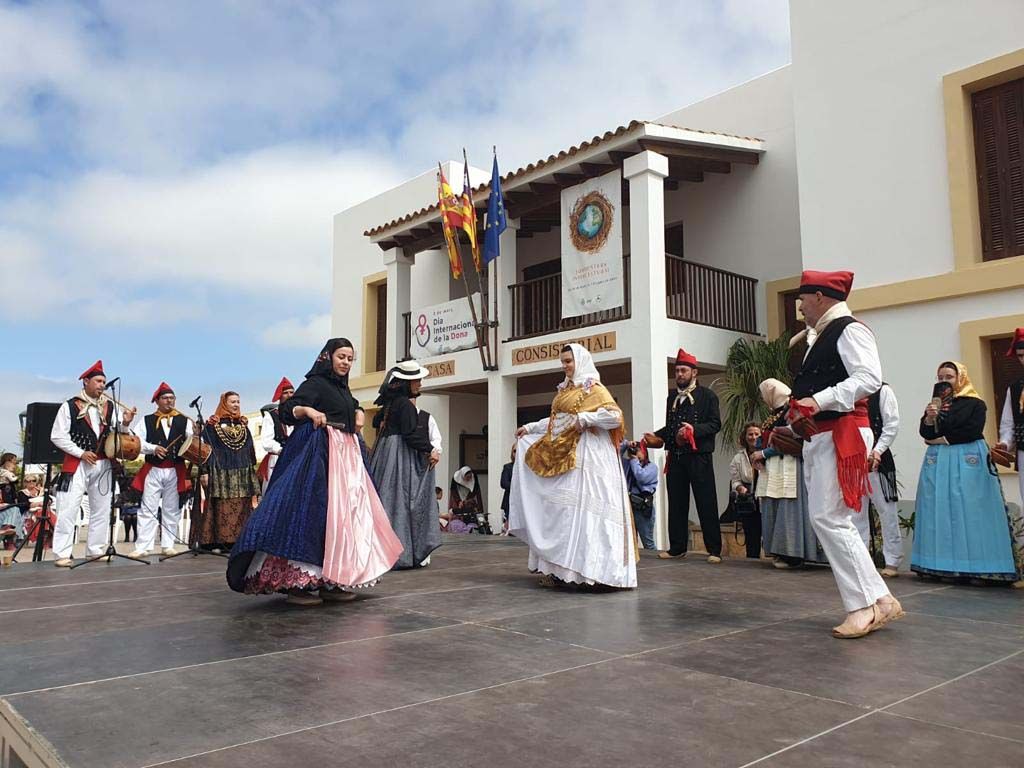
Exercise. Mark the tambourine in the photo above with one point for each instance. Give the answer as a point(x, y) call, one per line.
point(1001, 457)
point(787, 444)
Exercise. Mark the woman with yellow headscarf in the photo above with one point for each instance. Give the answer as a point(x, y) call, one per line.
point(568, 500)
point(962, 528)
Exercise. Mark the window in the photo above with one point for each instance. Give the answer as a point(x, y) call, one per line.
point(999, 156)
point(1005, 371)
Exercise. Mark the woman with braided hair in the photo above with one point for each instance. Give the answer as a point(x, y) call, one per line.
point(320, 532)
point(401, 465)
point(569, 500)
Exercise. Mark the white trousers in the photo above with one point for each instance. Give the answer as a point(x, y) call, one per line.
point(858, 582)
point(94, 481)
point(159, 492)
point(888, 518)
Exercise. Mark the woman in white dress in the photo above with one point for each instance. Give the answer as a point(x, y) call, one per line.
point(569, 501)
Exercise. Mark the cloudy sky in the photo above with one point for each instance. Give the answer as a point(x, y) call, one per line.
point(169, 170)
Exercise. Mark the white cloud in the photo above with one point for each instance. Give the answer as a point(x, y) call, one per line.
point(297, 333)
point(259, 224)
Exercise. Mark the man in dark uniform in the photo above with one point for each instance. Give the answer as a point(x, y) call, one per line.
point(691, 423)
point(1011, 421)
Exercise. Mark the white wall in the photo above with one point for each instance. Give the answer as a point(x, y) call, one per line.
point(746, 221)
point(355, 256)
point(870, 126)
point(467, 414)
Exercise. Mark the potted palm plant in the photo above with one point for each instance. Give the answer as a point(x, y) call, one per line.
point(748, 364)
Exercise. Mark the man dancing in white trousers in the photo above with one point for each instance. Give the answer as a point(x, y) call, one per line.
point(839, 372)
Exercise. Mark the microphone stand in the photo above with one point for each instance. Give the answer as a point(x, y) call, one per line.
point(116, 475)
point(41, 526)
point(197, 498)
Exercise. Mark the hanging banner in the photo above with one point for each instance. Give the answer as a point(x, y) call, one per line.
point(592, 246)
point(443, 328)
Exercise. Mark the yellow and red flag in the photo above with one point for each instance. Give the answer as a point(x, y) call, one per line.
point(469, 214)
point(451, 221)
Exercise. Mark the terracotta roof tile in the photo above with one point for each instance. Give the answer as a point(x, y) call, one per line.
point(574, 150)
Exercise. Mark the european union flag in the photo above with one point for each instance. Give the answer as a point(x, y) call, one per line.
point(496, 221)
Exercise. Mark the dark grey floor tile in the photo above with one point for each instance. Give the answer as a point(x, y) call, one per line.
point(908, 656)
point(654, 619)
point(620, 713)
point(1000, 605)
point(988, 701)
point(269, 626)
point(885, 741)
point(236, 701)
point(109, 590)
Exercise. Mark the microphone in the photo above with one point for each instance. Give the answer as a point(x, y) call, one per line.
point(112, 382)
point(195, 402)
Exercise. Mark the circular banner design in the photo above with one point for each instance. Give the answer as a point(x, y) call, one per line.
point(590, 222)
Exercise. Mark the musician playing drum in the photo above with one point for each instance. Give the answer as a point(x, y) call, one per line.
point(163, 477)
point(81, 426)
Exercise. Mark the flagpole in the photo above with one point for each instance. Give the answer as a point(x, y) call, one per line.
point(495, 323)
point(476, 257)
point(451, 231)
point(469, 298)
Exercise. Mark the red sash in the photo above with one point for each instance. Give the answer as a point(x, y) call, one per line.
point(139, 483)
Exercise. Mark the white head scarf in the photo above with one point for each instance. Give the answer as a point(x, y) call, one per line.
point(585, 372)
point(466, 485)
point(774, 393)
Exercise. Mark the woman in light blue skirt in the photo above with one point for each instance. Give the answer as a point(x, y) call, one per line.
point(962, 527)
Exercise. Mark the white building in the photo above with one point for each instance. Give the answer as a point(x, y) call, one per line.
point(872, 123)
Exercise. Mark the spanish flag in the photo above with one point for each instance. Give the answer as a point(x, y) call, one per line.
point(469, 214)
point(451, 220)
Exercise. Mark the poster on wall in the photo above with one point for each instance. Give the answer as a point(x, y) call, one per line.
point(592, 246)
point(443, 328)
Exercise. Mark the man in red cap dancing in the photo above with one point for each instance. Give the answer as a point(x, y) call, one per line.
point(830, 409)
point(81, 426)
point(1011, 422)
point(691, 422)
point(274, 432)
point(162, 479)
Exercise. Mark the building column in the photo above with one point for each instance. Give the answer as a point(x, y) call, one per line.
point(502, 397)
point(646, 173)
point(399, 266)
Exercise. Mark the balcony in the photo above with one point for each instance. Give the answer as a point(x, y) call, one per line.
point(710, 296)
point(696, 293)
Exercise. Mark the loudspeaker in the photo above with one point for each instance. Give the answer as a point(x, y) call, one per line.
point(39, 418)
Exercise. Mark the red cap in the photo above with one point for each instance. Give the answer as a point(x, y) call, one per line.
point(95, 370)
point(163, 389)
point(1017, 343)
point(685, 358)
point(836, 285)
point(285, 384)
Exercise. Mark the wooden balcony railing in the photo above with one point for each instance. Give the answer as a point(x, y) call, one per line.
point(710, 296)
point(536, 307)
point(695, 293)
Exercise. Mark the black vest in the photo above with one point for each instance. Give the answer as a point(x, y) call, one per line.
point(823, 367)
point(1018, 413)
point(280, 433)
point(156, 436)
point(81, 433)
point(887, 466)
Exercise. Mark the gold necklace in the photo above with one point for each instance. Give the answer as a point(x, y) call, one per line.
point(233, 436)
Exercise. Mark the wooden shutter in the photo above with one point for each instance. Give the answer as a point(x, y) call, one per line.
point(1005, 371)
point(381, 360)
point(999, 155)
